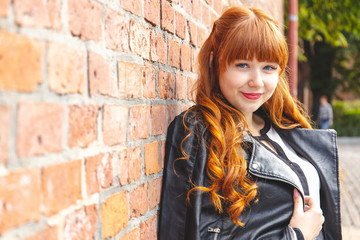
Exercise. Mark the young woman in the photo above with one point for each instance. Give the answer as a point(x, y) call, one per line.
point(244, 163)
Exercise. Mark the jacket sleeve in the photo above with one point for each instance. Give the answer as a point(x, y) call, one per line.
point(179, 219)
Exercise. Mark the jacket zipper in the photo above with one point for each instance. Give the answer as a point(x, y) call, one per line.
point(216, 232)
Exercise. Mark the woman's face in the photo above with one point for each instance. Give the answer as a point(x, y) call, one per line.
point(249, 84)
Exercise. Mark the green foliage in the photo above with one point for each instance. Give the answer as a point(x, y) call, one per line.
point(347, 118)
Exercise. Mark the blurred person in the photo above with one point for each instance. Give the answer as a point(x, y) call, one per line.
point(325, 113)
point(244, 163)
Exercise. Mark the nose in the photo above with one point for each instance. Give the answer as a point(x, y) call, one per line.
point(256, 78)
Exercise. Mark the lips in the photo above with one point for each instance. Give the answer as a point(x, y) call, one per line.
point(252, 96)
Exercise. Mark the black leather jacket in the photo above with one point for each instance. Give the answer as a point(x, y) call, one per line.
point(266, 219)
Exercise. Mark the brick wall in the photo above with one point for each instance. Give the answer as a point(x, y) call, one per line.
point(87, 90)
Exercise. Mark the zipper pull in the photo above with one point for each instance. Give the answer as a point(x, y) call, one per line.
point(214, 230)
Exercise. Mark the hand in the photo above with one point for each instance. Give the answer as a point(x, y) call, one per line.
point(310, 220)
point(330, 122)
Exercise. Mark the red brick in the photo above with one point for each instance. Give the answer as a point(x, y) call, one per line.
point(186, 5)
point(149, 82)
point(48, 233)
point(152, 11)
point(82, 125)
point(166, 85)
point(133, 6)
point(116, 31)
point(40, 128)
point(4, 6)
point(66, 70)
point(130, 165)
point(81, 224)
point(114, 124)
point(133, 235)
point(185, 57)
point(139, 201)
point(100, 79)
point(130, 80)
point(148, 229)
point(155, 192)
point(152, 158)
point(180, 87)
point(162, 153)
point(174, 1)
point(174, 53)
point(158, 119)
point(180, 25)
point(209, 2)
point(218, 7)
point(38, 13)
point(140, 39)
point(194, 62)
point(85, 19)
point(61, 186)
point(173, 111)
point(167, 13)
point(192, 32)
point(19, 198)
point(114, 214)
point(4, 133)
point(201, 36)
point(98, 171)
point(158, 47)
point(205, 15)
point(213, 17)
point(191, 86)
point(18, 52)
point(196, 9)
point(139, 122)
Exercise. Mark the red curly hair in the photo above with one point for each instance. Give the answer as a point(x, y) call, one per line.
point(240, 33)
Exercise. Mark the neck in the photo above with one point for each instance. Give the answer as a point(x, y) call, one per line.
point(255, 123)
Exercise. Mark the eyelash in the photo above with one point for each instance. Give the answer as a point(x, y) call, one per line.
point(267, 68)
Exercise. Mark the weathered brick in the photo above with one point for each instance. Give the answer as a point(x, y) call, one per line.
point(166, 85)
point(180, 25)
point(116, 31)
point(158, 47)
point(133, 6)
point(48, 233)
point(19, 198)
point(81, 224)
point(174, 53)
point(40, 127)
point(98, 171)
point(139, 122)
point(148, 229)
point(114, 124)
point(158, 119)
point(173, 111)
point(167, 19)
point(205, 15)
point(185, 57)
point(194, 60)
point(4, 6)
point(149, 82)
point(66, 70)
point(191, 87)
point(114, 214)
point(130, 80)
point(162, 150)
point(82, 125)
point(201, 36)
point(213, 17)
point(18, 52)
point(154, 192)
point(192, 33)
point(85, 19)
point(130, 165)
point(100, 79)
point(138, 201)
point(38, 13)
point(61, 186)
point(186, 5)
point(4, 133)
point(174, 1)
point(196, 9)
point(133, 235)
point(180, 87)
point(152, 158)
point(140, 39)
point(152, 11)
point(218, 7)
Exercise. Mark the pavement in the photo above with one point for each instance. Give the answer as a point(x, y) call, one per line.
point(349, 161)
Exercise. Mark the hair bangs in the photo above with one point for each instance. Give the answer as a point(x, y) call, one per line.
point(255, 38)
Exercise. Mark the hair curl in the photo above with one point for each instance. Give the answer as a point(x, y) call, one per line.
point(240, 33)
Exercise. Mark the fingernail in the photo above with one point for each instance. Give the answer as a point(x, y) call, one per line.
point(296, 193)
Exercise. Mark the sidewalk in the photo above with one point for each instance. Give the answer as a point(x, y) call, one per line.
point(349, 160)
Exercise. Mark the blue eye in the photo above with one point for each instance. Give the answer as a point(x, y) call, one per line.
point(269, 68)
point(241, 65)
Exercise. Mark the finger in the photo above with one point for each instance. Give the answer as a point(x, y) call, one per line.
point(298, 205)
point(309, 201)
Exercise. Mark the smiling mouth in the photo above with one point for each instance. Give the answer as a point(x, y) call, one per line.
point(252, 96)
